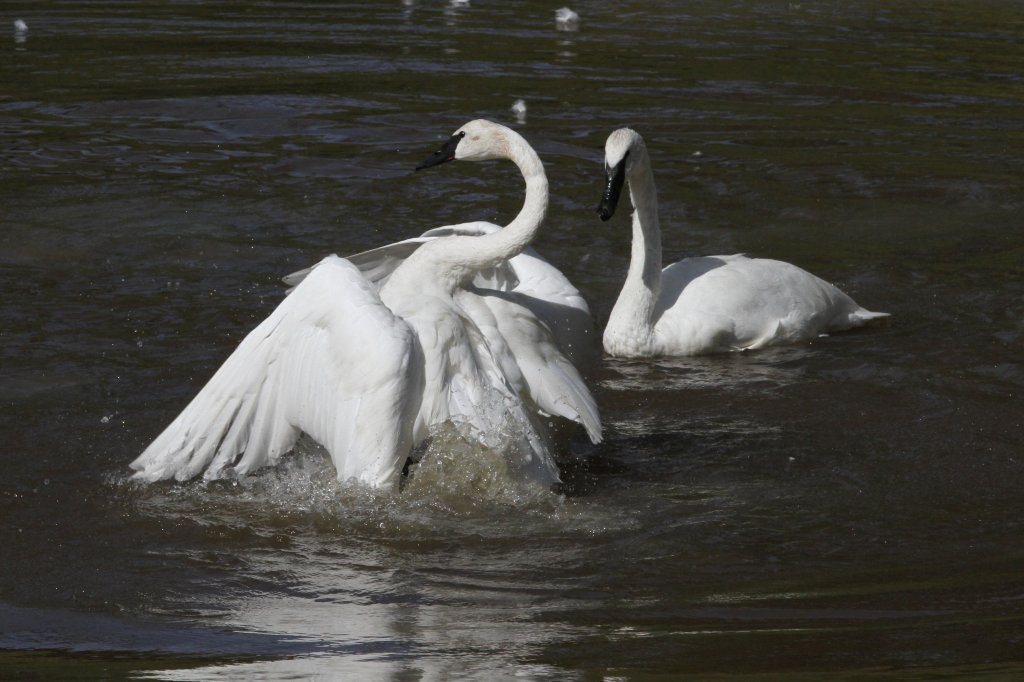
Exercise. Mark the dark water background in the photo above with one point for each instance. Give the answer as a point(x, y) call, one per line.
point(847, 509)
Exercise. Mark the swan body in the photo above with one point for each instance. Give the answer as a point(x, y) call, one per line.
point(369, 371)
point(527, 278)
point(707, 304)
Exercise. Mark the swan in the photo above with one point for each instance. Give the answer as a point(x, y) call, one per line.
point(527, 279)
point(370, 372)
point(706, 304)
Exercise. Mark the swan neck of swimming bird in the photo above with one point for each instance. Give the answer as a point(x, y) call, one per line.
point(631, 323)
point(645, 260)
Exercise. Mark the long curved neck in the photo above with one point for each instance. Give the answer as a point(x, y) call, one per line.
point(453, 261)
point(634, 310)
point(488, 250)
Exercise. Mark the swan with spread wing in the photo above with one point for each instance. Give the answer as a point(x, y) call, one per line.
point(370, 372)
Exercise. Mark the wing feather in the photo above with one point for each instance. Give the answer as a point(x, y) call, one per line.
point(331, 361)
point(378, 264)
point(552, 380)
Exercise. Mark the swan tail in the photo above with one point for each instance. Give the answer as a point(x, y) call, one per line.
point(855, 318)
point(862, 317)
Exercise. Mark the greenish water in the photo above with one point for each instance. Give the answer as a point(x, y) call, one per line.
point(848, 509)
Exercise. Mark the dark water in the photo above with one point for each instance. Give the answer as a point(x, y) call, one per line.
point(850, 508)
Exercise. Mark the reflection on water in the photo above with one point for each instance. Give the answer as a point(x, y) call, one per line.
point(775, 367)
point(376, 583)
point(831, 510)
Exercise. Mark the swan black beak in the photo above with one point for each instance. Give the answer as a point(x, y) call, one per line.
point(445, 153)
point(612, 192)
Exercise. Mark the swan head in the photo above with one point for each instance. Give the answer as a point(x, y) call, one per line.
point(622, 146)
point(478, 140)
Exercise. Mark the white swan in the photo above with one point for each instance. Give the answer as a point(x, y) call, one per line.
point(369, 374)
point(708, 304)
point(526, 278)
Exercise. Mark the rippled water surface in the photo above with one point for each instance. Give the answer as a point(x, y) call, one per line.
point(849, 508)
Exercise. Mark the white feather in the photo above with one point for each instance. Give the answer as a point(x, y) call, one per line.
point(329, 357)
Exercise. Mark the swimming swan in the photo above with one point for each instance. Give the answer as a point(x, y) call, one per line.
point(368, 374)
point(708, 304)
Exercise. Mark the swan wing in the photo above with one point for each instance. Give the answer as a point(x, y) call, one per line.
point(472, 381)
point(552, 298)
point(550, 377)
point(331, 361)
point(548, 293)
point(378, 264)
point(541, 287)
point(375, 264)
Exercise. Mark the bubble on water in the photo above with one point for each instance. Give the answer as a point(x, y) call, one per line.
point(566, 19)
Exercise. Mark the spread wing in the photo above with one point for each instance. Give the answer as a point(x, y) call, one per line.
point(378, 264)
point(551, 380)
point(331, 361)
point(555, 302)
point(548, 293)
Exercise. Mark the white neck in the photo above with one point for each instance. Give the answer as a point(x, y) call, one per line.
point(632, 318)
point(454, 261)
point(489, 250)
